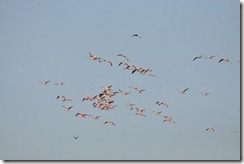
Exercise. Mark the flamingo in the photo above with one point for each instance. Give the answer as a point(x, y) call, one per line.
point(183, 91)
point(108, 61)
point(162, 103)
point(92, 57)
point(130, 105)
point(124, 93)
point(82, 115)
point(67, 108)
point(210, 57)
point(139, 91)
point(123, 63)
point(225, 60)
point(157, 113)
point(95, 117)
point(140, 114)
point(109, 122)
point(204, 93)
point(198, 57)
point(60, 96)
point(59, 83)
point(44, 82)
point(67, 99)
point(123, 55)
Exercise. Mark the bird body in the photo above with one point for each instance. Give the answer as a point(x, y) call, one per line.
point(44, 82)
point(124, 56)
point(109, 122)
point(210, 129)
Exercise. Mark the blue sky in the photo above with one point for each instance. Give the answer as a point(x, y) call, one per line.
point(51, 41)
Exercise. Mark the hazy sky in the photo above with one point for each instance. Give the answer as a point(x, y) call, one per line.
point(50, 40)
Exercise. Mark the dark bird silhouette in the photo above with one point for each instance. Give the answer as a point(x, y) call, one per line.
point(136, 35)
point(76, 137)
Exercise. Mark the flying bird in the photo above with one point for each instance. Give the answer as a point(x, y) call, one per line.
point(210, 129)
point(82, 115)
point(204, 93)
point(108, 61)
point(59, 83)
point(136, 35)
point(182, 91)
point(109, 122)
point(76, 137)
point(67, 108)
point(210, 57)
point(123, 93)
point(197, 57)
point(44, 82)
point(224, 60)
point(123, 55)
point(92, 57)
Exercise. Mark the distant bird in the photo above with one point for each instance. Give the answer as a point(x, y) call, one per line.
point(210, 57)
point(44, 82)
point(60, 96)
point(139, 91)
point(238, 133)
point(92, 57)
point(108, 61)
point(150, 74)
point(224, 60)
point(204, 93)
point(67, 99)
point(130, 105)
point(140, 114)
point(123, 63)
point(210, 129)
point(67, 108)
point(182, 91)
point(76, 137)
point(82, 115)
point(162, 103)
point(109, 122)
point(123, 55)
point(59, 83)
point(157, 113)
point(197, 57)
point(123, 93)
point(136, 35)
point(95, 117)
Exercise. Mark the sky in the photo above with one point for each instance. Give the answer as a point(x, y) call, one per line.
point(50, 40)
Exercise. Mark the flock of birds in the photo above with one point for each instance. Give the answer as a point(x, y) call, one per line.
point(103, 100)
